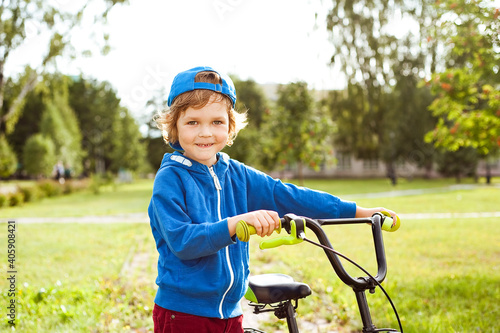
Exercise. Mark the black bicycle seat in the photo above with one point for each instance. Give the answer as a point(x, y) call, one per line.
point(275, 288)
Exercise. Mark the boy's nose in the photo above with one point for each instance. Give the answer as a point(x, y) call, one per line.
point(205, 131)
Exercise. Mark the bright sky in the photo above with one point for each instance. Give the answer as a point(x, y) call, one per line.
point(275, 41)
point(152, 40)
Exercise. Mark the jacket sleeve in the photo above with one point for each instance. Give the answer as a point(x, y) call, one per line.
point(169, 219)
point(268, 193)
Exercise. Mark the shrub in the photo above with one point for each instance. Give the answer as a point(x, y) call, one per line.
point(68, 188)
point(8, 160)
point(50, 188)
point(3, 200)
point(16, 199)
point(32, 193)
point(39, 155)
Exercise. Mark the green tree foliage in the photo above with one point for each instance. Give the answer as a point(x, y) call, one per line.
point(8, 159)
point(368, 50)
point(459, 163)
point(251, 99)
point(97, 108)
point(59, 123)
point(300, 130)
point(108, 130)
point(363, 44)
point(29, 121)
point(348, 109)
point(155, 145)
point(23, 19)
point(128, 150)
point(39, 155)
point(248, 147)
point(409, 119)
point(468, 92)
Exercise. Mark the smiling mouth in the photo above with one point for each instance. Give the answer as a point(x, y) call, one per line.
point(205, 145)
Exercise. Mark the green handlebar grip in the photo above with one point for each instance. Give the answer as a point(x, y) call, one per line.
point(244, 231)
point(391, 224)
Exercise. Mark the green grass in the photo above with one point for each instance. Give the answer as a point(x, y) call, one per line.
point(485, 199)
point(126, 198)
point(444, 275)
point(344, 187)
point(69, 278)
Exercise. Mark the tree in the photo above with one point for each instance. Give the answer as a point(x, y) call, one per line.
point(367, 50)
point(128, 150)
point(411, 121)
point(382, 58)
point(300, 131)
point(248, 146)
point(155, 145)
point(20, 20)
point(110, 137)
point(459, 163)
point(468, 92)
point(8, 159)
point(30, 117)
point(97, 108)
point(59, 123)
point(353, 134)
point(39, 155)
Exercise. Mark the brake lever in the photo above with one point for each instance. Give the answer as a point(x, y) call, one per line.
point(296, 230)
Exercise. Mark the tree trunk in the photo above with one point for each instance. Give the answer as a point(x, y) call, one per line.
point(391, 173)
point(488, 173)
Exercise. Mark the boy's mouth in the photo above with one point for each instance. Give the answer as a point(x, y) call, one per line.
point(206, 145)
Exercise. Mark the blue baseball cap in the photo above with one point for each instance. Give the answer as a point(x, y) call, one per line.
point(184, 82)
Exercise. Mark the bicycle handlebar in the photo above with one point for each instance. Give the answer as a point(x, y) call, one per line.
point(295, 226)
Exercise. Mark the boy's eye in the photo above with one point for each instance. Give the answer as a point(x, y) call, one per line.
point(192, 122)
point(217, 122)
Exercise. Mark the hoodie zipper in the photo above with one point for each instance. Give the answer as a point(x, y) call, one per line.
point(218, 187)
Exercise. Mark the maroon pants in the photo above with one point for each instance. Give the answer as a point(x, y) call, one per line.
point(167, 321)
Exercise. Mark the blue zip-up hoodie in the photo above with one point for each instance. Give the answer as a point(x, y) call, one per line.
point(202, 270)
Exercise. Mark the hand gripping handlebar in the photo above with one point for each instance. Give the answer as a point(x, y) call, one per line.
point(294, 225)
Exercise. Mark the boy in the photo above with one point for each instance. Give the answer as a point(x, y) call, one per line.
point(200, 194)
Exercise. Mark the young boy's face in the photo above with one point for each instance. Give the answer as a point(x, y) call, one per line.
point(204, 132)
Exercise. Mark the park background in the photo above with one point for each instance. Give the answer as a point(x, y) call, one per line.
point(407, 90)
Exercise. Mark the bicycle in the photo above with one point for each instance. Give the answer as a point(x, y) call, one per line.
point(280, 293)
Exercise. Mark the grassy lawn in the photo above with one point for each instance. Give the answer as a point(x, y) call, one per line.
point(125, 198)
point(69, 278)
point(444, 275)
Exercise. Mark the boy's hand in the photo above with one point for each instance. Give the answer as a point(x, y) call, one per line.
point(264, 221)
point(368, 212)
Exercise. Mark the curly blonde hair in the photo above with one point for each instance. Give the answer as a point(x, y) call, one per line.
point(167, 120)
